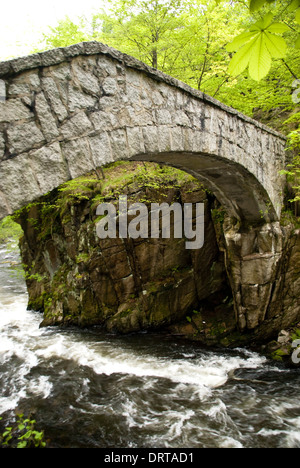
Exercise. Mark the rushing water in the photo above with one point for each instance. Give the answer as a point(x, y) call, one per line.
point(87, 389)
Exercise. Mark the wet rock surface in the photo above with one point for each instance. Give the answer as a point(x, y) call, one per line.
point(241, 287)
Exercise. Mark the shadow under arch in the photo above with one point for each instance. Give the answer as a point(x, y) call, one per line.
point(234, 186)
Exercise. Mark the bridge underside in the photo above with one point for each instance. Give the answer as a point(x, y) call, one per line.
point(235, 188)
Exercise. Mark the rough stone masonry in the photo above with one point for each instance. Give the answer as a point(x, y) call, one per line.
point(72, 109)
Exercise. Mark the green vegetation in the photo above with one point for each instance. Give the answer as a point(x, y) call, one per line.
point(117, 176)
point(264, 40)
point(293, 168)
point(10, 231)
point(22, 434)
point(194, 41)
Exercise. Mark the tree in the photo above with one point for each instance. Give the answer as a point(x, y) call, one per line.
point(203, 61)
point(64, 34)
point(145, 29)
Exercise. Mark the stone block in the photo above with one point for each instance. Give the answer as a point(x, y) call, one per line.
point(76, 126)
point(180, 118)
point(103, 121)
point(78, 157)
point(46, 118)
point(105, 67)
point(100, 149)
point(74, 50)
point(163, 117)
point(2, 146)
point(188, 136)
point(24, 137)
point(135, 141)
point(110, 86)
point(146, 100)
point(177, 143)
point(164, 138)
point(13, 110)
point(26, 63)
point(151, 139)
point(133, 78)
point(18, 182)
point(79, 100)
point(5, 68)
point(61, 72)
point(5, 209)
point(16, 89)
point(88, 82)
point(132, 96)
point(137, 116)
point(53, 95)
point(93, 47)
point(118, 143)
point(48, 160)
point(52, 57)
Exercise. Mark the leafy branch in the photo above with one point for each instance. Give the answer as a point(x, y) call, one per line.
point(256, 48)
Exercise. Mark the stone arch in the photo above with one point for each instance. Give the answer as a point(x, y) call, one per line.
point(235, 188)
point(68, 111)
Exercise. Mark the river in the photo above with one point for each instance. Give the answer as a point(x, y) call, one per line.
point(88, 389)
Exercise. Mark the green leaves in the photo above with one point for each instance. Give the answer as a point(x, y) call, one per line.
point(260, 60)
point(257, 4)
point(257, 47)
point(22, 435)
point(294, 5)
point(276, 45)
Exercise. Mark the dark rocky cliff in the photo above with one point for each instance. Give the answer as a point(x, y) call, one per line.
point(130, 285)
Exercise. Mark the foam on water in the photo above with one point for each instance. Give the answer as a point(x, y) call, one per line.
point(176, 397)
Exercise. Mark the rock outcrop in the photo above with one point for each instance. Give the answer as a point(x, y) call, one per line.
point(125, 285)
point(241, 287)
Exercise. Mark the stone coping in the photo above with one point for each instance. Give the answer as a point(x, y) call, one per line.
point(64, 54)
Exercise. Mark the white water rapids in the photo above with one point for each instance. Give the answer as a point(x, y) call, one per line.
point(87, 389)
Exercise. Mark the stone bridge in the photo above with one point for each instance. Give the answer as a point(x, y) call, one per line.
point(68, 111)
